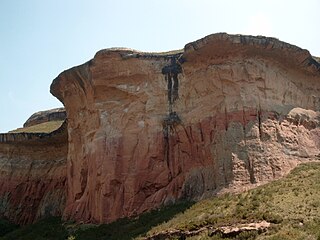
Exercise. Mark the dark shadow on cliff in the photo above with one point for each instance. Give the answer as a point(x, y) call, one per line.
point(50, 228)
point(122, 229)
point(6, 227)
point(127, 228)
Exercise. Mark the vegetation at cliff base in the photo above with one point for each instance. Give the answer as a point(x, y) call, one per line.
point(46, 229)
point(291, 205)
point(123, 229)
point(6, 227)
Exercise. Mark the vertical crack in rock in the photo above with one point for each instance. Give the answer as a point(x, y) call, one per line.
point(250, 167)
point(259, 122)
point(226, 118)
point(171, 72)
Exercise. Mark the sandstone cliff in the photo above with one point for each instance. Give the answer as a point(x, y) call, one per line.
point(33, 175)
point(56, 114)
point(145, 129)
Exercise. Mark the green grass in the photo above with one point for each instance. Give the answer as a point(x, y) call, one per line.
point(6, 227)
point(46, 127)
point(291, 204)
point(54, 229)
point(46, 229)
point(130, 228)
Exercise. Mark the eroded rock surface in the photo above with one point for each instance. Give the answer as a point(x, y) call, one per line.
point(33, 175)
point(227, 113)
point(56, 114)
point(232, 231)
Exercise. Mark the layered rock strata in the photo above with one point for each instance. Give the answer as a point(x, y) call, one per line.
point(33, 175)
point(56, 114)
point(146, 129)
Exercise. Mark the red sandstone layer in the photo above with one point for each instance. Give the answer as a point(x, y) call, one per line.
point(32, 175)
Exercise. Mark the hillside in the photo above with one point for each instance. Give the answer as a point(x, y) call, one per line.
point(290, 205)
point(45, 127)
point(43, 122)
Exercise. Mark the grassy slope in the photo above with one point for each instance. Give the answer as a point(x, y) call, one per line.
point(45, 127)
point(292, 204)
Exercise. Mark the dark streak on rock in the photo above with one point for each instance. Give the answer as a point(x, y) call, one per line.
point(171, 72)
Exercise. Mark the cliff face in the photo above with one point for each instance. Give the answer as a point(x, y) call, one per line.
point(228, 112)
point(33, 175)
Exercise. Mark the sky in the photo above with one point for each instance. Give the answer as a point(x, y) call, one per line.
point(41, 38)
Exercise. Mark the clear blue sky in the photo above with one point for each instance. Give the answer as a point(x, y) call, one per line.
point(41, 38)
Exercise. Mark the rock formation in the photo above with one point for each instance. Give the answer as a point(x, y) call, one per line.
point(56, 114)
point(145, 129)
point(227, 113)
point(33, 175)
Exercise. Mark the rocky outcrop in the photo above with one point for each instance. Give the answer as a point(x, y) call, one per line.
point(232, 231)
point(145, 129)
point(33, 175)
point(56, 114)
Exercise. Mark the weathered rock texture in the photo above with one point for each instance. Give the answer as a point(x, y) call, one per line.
point(56, 114)
point(33, 175)
point(223, 231)
point(144, 129)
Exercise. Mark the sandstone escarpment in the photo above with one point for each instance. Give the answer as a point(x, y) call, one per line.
point(33, 175)
point(56, 114)
point(144, 129)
